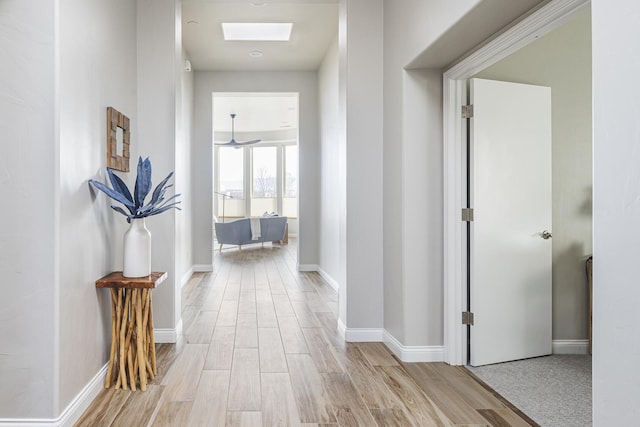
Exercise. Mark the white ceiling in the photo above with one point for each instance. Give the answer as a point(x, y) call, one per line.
point(266, 116)
point(270, 117)
point(315, 24)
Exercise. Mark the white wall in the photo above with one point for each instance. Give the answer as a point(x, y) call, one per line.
point(28, 185)
point(56, 120)
point(97, 70)
point(616, 209)
point(303, 82)
point(562, 61)
point(329, 203)
point(413, 175)
point(184, 178)
point(422, 231)
point(360, 69)
point(422, 33)
point(159, 92)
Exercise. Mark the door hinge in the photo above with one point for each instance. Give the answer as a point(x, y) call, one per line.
point(467, 214)
point(467, 318)
point(467, 111)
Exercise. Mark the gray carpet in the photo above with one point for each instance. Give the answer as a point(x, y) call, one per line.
point(554, 391)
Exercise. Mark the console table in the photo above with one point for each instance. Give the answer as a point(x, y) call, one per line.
point(133, 354)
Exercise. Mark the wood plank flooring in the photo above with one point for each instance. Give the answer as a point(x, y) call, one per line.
point(261, 348)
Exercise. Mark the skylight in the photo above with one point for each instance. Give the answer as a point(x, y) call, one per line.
point(257, 31)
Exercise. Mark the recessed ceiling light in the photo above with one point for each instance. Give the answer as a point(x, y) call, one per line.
point(255, 54)
point(257, 31)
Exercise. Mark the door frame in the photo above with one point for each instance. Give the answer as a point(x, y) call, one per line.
point(542, 20)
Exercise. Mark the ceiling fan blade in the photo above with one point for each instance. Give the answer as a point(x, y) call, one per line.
point(233, 142)
point(253, 141)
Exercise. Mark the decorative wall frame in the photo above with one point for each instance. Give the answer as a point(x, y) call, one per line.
point(118, 140)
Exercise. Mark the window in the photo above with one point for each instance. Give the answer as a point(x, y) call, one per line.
point(231, 182)
point(289, 201)
point(265, 178)
point(256, 179)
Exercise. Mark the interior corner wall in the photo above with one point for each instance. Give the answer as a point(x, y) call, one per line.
point(422, 190)
point(362, 71)
point(329, 192)
point(181, 168)
point(28, 185)
point(616, 209)
point(184, 177)
point(342, 161)
point(303, 82)
point(413, 174)
point(392, 172)
point(159, 116)
point(562, 61)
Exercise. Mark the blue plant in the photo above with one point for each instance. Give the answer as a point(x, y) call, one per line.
point(135, 204)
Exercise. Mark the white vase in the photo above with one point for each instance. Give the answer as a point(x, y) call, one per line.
point(137, 250)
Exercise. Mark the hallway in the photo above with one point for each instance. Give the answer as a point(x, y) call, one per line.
point(260, 347)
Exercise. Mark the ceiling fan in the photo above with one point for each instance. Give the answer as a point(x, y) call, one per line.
point(233, 142)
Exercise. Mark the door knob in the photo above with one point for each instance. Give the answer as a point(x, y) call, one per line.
point(546, 235)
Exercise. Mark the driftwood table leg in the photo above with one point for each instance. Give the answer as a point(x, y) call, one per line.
point(142, 368)
point(129, 340)
point(132, 371)
point(122, 378)
point(117, 333)
point(145, 332)
point(152, 344)
point(114, 342)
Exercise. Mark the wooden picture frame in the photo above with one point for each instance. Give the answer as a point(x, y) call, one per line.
point(118, 140)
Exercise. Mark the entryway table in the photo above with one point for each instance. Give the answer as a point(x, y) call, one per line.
point(133, 355)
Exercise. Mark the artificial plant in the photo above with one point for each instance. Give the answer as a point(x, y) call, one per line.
point(135, 203)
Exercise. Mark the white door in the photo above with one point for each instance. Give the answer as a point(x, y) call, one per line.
point(510, 193)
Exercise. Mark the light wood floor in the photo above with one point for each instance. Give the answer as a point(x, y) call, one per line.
point(260, 348)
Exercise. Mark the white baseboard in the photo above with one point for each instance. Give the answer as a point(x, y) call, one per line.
point(413, 353)
point(341, 328)
point(359, 334)
point(167, 335)
point(330, 280)
point(72, 412)
point(326, 276)
point(307, 267)
point(570, 346)
point(82, 401)
point(186, 276)
point(363, 334)
point(405, 353)
point(202, 268)
point(196, 268)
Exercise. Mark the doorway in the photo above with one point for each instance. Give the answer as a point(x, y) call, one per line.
point(532, 28)
point(257, 173)
point(562, 61)
point(559, 59)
